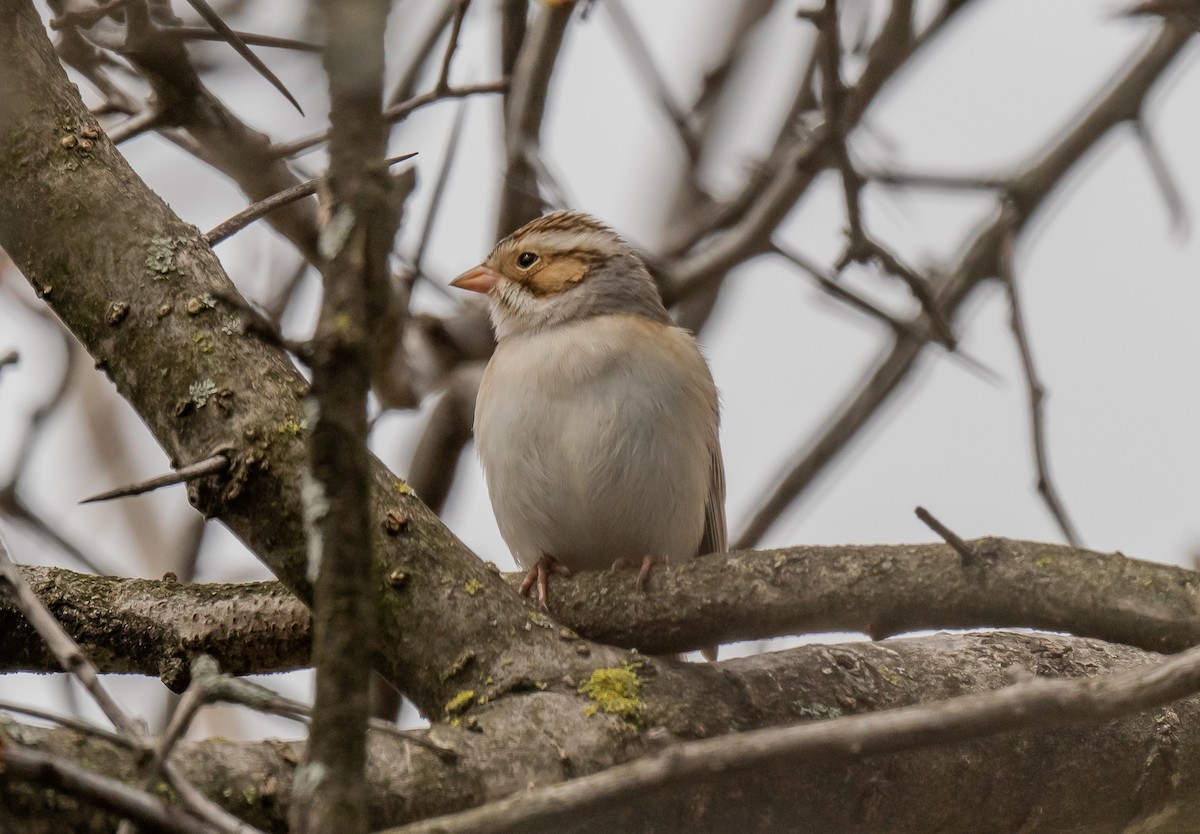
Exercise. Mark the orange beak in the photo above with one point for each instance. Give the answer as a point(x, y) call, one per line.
point(477, 279)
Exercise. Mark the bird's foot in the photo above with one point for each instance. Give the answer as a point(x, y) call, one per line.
point(540, 574)
point(643, 570)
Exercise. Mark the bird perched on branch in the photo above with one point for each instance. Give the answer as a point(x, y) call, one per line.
point(597, 418)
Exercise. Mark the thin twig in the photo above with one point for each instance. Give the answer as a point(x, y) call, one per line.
point(63, 646)
point(443, 79)
point(1033, 384)
point(933, 180)
point(214, 465)
point(50, 771)
point(1176, 207)
point(14, 507)
point(948, 536)
point(420, 54)
point(395, 113)
point(197, 33)
point(865, 247)
point(71, 723)
point(834, 95)
point(643, 62)
point(439, 189)
point(256, 211)
point(137, 124)
point(1119, 103)
point(839, 291)
point(234, 39)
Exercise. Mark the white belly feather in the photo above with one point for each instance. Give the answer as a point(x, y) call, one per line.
point(596, 442)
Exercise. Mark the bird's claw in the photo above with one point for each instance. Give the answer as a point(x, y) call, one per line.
point(540, 574)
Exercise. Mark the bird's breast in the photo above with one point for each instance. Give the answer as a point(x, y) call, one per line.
point(594, 441)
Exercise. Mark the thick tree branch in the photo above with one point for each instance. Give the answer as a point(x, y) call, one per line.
point(156, 627)
point(1138, 769)
point(604, 799)
point(143, 626)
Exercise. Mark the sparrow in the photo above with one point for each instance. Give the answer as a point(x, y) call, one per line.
point(597, 418)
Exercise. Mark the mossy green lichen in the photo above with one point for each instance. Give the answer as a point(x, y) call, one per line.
point(820, 711)
point(201, 392)
point(614, 691)
point(459, 703)
point(160, 257)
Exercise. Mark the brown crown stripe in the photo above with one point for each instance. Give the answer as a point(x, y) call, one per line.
point(563, 222)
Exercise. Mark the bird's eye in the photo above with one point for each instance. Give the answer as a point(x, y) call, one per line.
point(526, 259)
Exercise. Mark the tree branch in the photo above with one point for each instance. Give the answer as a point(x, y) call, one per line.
point(144, 626)
point(1028, 192)
point(1137, 769)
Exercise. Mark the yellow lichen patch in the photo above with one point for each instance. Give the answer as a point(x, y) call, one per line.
point(890, 675)
point(540, 620)
point(403, 488)
point(1044, 562)
point(458, 665)
point(459, 702)
point(473, 586)
point(291, 425)
point(614, 691)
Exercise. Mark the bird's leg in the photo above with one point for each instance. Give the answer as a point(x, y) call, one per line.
point(540, 573)
point(644, 572)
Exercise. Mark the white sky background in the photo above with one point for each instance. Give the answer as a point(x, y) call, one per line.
point(1111, 293)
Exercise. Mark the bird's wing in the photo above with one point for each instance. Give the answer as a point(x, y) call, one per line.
point(715, 538)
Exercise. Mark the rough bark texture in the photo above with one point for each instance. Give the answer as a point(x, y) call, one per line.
point(1143, 770)
point(157, 627)
point(144, 626)
point(356, 238)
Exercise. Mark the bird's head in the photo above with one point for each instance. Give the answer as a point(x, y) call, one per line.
point(560, 268)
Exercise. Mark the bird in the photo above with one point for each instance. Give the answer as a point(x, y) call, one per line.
point(597, 420)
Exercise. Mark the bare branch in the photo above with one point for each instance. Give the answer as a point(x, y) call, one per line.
point(1176, 208)
point(1037, 393)
point(214, 465)
point(44, 769)
point(395, 113)
point(68, 653)
point(1119, 103)
point(196, 33)
point(949, 536)
point(520, 201)
point(885, 590)
point(643, 62)
point(406, 84)
point(239, 46)
point(262, 208)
